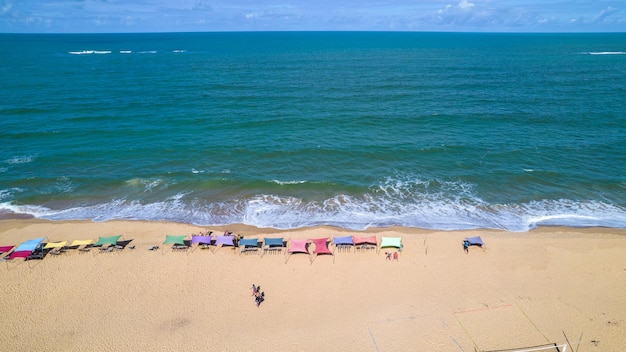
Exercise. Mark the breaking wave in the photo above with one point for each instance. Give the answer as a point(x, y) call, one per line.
point(428, 205)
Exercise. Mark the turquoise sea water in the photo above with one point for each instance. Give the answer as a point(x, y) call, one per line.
point(292, 129)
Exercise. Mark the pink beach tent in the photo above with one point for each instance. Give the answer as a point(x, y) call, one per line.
point(6, 249)
point(297, 246)
point(20, 254)
point(366, 243)
point(321, 247)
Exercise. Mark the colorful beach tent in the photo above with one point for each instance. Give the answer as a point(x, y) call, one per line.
point(358, 240)
point(275, 244)
point(345, 241)
point(248, 242)
point(25, 249)
point(29, 245)
point(20, 254)
point(206, 240)
point(321, 247)
point(59, 244)
point(248, 245)
point(175, 239)
point(110, 240)
point(6, 249)
point(78, 243)
point(391, 242)
point(224, 240)
point(367, 242)
point(475, 241)
point(297, 246)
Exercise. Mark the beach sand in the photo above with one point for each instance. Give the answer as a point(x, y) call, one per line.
point(521, 289)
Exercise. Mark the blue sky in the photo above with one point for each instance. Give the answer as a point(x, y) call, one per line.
point(63, 16)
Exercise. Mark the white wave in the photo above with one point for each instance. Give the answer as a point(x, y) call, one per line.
point(430, 204)
point(148, 52)
point(82, 52)
point(606, 53)
point(22, 159)
point(179, 51)
point(282, 183)
point(148, 184)
point(193, 170)
point(34, 210)
point(7, 193)
point(125, 52)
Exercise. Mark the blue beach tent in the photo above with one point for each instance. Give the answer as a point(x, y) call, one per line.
point(475, 241)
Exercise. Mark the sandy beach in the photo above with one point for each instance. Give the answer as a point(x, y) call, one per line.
point(550, 285)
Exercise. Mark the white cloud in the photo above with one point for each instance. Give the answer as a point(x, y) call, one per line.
point(464, 4)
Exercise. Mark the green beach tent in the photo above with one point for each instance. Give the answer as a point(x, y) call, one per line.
point(112, 240)
point(172, 239)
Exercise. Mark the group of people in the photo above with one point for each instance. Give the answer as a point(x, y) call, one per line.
point(259, 296)
point(389, 254)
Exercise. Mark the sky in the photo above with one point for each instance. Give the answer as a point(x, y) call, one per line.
point(113, 16)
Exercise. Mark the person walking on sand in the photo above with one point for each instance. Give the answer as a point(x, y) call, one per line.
point(466, 245)
point(388, 255)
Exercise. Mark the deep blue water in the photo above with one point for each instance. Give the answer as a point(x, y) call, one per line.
point(291, 129)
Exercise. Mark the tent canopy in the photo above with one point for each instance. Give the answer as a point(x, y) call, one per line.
point(343, 240)
point(248, 242)
point(272, 242)
point(29, 245)
point(224, 240)
point(364, 240)
point(20, 254)
point(201, 239)
point(475, 241)
point(81, 243)
point(4, 249)
point(59, 244)
point(175, 239)
point(321, 246)
point(298, 246)
point(391, 242)
point(108, 240)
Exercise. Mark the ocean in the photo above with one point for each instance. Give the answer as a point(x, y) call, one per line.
point(285, 130)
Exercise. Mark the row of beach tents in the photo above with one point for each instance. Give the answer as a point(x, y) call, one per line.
point(40, 247)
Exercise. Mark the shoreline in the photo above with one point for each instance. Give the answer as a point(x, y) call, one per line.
point(519, 290)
